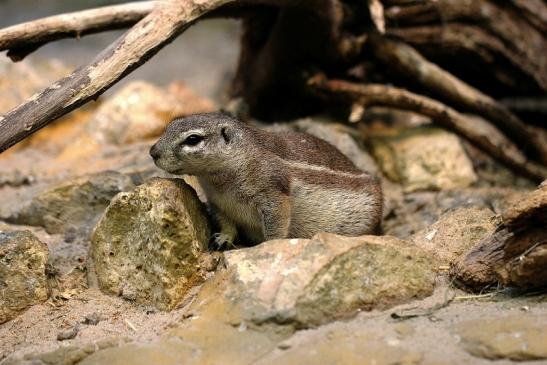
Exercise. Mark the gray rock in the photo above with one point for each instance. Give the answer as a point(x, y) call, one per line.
point(338, 135)
point(424, 159)
point(67, 355)
point(410, 213)
point(147, 245)
point(310, 282)
point(23, 261)
point(517, 337)
point(74, 206)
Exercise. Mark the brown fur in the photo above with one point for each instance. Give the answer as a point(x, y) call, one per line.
point(270, 185)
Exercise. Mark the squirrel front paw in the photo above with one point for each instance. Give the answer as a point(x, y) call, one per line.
point(222, 240)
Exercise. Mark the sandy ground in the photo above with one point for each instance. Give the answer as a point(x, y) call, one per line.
point(430, 332)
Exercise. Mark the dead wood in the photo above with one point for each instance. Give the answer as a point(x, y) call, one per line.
point(286, 41)
point(468, 50)
point(514, 255)
point(24, 38)
point(478, 131)
point(410, 64)
point(526, 104)
point(534, 11)
point(517, 35)
point(376, 10)
point(136, 46)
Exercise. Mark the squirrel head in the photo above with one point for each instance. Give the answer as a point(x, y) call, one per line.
point(198, 144)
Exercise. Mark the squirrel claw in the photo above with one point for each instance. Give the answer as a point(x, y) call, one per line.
point(222, 240)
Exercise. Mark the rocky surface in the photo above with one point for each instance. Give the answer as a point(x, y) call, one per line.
point(455, 233)
point(516, 337)
point(73, 207)
point(407, 214)
point(331, 299)
point(23, 260)
point(147, 245)
point(340, 136)
point(424, 159)
point(141, 110)
point(310, 282)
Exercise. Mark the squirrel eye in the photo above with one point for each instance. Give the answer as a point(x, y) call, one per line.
point(192, 140)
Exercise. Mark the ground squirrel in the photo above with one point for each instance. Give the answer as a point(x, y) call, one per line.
point(264, 185)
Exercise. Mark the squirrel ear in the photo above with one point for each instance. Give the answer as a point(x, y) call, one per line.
point(226, 134)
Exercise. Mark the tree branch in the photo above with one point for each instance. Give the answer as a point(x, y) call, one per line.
point(508, 26)
point(22, 39)
point(146, 38)
point(476, 130)
point(411, 64)
point(457, 40)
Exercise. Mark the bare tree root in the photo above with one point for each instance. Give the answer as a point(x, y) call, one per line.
point(507, 26)
point(478, 49)
point(410, 64)
point(22, 39)
point(534, 11)
point(141, 42)
point(478, 131)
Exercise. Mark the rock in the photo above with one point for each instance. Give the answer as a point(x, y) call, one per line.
point(310, 282)
point(19, 81)
point(342, 347)
point(206, 342)
point(147, 245)
point(409, 213)
point(92, 319)
point(68, 334)
point(338, 136)
point(141, 110)
point(67, 355)
point(492, 173)
point(517, 337)
point(532, 209)
point(23, 261)
point(455, 233)
point(424, 159)
point(73, 206)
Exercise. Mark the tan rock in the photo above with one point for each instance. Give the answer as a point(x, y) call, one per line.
point(76, 204)
point(23, 261)
point(455, 233)
point(19, 81)
point(424, 159)
point(146, 246)
point(516, 337)
point(342, 347)
point(309, 282)
point(141, 110)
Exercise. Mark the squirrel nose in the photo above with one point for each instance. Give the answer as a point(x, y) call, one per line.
point(155, 152)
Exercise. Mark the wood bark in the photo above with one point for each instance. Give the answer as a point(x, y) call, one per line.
point(144, 40)
point(24, 38)
point(515, 255)
point(478, 131)
point(410, 64)
point(464, 54)
point(517, 35)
